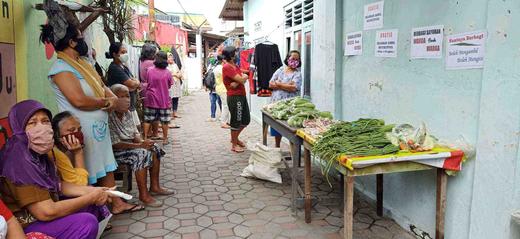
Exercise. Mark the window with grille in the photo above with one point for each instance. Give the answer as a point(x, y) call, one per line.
point(298, 13)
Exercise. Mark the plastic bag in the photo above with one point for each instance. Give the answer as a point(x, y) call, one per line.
point(461, 144)
point(264, 163)
point(410, 138)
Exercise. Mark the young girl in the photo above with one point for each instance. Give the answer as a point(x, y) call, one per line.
point(157, 103)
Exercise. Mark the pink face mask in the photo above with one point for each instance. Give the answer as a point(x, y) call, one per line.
point(293, 63)
point(41, 138)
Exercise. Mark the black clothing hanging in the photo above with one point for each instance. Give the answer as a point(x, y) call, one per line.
point(267, 60)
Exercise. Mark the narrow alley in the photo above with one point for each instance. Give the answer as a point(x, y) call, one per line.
point(212, 200)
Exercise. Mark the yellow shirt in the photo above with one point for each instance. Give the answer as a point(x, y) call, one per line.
point(68, 173)
point(220, 88)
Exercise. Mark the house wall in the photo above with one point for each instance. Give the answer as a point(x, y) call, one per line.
point(271, 17)
point(479, 105)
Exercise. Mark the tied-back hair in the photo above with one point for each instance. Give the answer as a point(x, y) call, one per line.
point(47, 36)
point(113, 49)
point(57, 121)
point(161, 60)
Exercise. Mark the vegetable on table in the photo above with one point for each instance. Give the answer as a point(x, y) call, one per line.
point(364, 137)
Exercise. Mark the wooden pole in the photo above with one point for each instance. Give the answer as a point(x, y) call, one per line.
point(442, 181)
point(151, 17)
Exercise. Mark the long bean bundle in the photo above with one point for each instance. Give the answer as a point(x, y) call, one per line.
point(364, 137)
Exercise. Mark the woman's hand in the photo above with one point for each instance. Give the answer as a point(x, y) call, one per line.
point(147, 144)
point(71, 143)
point(117, 104)
point(234, 85)
point(99, 196)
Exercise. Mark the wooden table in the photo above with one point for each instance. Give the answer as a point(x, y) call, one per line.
point(378, 170)
point(289, 133)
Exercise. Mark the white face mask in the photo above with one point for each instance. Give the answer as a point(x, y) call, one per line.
point(123, 58)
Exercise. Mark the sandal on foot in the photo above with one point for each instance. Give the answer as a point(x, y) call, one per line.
point(237, 149)
point(135, 208)
point(163, 193)
point(154, 204)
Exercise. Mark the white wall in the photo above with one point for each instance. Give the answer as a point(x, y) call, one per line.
point(272, 16)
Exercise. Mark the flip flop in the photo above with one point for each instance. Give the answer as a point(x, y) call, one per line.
point(164, 193)
point(240, 150)
point(155, 204)
point(108, 227)
point(156, 138)
point(241, 144)
point(135, 208)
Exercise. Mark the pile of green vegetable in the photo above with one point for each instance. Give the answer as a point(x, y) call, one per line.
point(364, 137)
point(296, 110)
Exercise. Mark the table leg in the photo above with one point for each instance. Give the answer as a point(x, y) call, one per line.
point(379, 195)
point(348, 212)
point(265, 128)
point(294, 176)
point(442, 180)
point(308, 180)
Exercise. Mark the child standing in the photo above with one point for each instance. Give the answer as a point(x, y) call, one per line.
point(157, 103)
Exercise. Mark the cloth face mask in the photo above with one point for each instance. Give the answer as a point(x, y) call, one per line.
point(293, 63)
point(40, 138)
point(78, 135)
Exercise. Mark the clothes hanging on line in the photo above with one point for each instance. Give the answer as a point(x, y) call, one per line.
point(267, 60)
point(246, 57)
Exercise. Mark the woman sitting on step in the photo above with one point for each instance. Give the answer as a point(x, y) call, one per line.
point(130, 149)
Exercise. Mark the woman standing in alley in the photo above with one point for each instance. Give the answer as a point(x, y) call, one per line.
point(220, 88)
point(286, 83)
point(236, 98)
point(157, 103)
point(80, 90)
point(175, 90)
point(118, 73)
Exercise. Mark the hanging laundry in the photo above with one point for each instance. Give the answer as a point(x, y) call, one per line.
point(248, 68)
point(267, 60)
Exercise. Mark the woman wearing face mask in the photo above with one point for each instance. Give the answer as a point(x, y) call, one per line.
point(118, 73)
point(30, 185)
point(286, 83)
point(236, 98)
point(68, 149)
point(80, 90)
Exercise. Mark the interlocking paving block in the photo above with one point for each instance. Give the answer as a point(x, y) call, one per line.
point(137, 227)
point(213, 201)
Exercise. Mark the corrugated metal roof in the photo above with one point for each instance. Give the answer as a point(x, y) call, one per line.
point(233, 10)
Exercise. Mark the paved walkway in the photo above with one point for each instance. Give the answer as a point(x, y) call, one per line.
point(213, 201)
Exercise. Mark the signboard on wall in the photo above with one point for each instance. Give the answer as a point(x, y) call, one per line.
point(427, 42)
point(354, 44)
point(6, 21)
point(465, 50)
point(373, 16)
point(386, 43)
point(7, 58)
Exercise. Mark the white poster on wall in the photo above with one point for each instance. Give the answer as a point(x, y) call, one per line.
point(465, 50)
point(427, 42)
point(373, 17)
point(354, 44)
point(386, 43)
